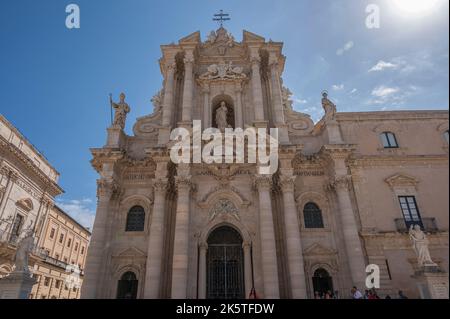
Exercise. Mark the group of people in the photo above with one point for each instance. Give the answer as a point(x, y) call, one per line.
point(326, 295)
point(372, 294)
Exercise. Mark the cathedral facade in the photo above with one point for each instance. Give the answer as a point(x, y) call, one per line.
point(347, 189)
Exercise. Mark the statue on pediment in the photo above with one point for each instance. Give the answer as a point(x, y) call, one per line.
point(286, 97)
point(121, 111)
point(328, 107)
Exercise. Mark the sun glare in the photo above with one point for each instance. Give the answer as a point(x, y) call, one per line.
point(416, 7)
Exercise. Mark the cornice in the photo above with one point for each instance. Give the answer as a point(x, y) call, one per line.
point(51, 186)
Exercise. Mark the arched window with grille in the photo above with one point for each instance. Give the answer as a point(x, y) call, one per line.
point(388, 140)
point(312, 216)
point(135, 219)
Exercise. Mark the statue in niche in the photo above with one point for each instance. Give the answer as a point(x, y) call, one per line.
point(328, 107)
point(222, 117)
point(420, 245)
point(121, 111)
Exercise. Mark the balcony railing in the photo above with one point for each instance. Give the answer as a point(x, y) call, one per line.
point(428, 225)
point(12, 240)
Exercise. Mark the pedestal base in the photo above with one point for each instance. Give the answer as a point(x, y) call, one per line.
point(116, 137)
point(334, 134)
point(17, 285)
point(432, 283)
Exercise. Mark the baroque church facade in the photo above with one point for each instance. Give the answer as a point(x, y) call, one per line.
point(346, 192)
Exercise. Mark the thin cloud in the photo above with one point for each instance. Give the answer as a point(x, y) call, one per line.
point(384, 91)
point(383, 65)
point(338, 87)
point(79, 210)
point(348, 46)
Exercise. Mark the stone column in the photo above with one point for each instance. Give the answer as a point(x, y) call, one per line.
point(247, 268)
point(93, 271)
point(203, 248)
point(181, 243)
point(188, 88)
point(276, 92)
point(349, 226)
point(293, 242)
point(167, 104)
point(155, 243)
point(238, 107)
point(267, 234)
point(12, 177)
point(256, 88)
point(206, 106)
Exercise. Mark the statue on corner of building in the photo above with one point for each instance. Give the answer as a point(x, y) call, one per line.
point(221, 117)
point(328, 107)
point(420, 245)
point(23, 250)
point(121, 111)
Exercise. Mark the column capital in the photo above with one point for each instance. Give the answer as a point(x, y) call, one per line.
point(341, 183)
point(246, 245)
point(106, 188)
point(263, 182)
point(160, 185)
point(287, 183)
point(184, 183)
point(171, 67)
point(203, 246)
point(189, 57)
point(255, 61)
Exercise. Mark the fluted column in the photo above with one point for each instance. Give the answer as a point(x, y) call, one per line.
point(188, 87)
point(167, 116)
point(276, 93)
point(257, 89)
point(293, 240)
point(206, 106)
point(267, 234)
point(155, 244)
point(238, 107)
point(247, 268)
point(203, 248)
point(168, 95)
point(352, 240)
point(93, 271)
point(181, 243)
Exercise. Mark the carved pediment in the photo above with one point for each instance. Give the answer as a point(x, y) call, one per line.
point(401, 180)
point(318, 250)
point(191, 38)
point(131, 252)
point(26, 204)
point(252, 37)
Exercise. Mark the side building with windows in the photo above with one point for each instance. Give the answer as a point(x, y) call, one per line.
point(346, 191)
point(28, 187)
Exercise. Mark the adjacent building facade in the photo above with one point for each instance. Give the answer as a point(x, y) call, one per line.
point(346, 191)
point(28, 187)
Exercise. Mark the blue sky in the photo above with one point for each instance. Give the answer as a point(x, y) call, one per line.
point(55, 81)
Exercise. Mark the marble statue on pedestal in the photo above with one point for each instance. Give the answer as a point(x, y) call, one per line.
point(420, 245)
point(22, 252)
point(121, 111)
point(328, 107)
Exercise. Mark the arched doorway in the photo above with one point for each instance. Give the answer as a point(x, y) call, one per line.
point(127, 286)
point(225, 265)
point(322, 282)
